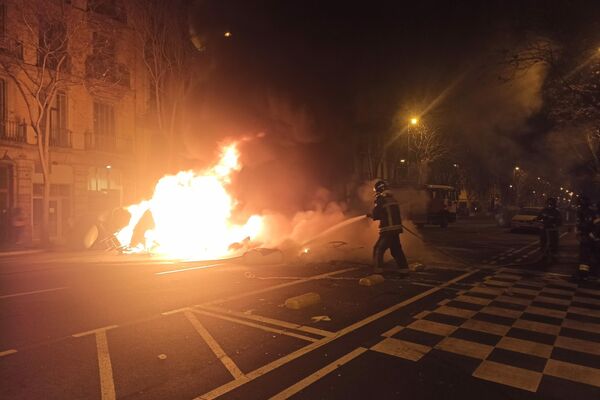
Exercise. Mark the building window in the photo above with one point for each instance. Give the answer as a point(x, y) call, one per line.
point(59, 133)
point(103, 179)
point(5, 188)
point(2, 104)
point(53, 46)
point(104, 135)
point(2, 19)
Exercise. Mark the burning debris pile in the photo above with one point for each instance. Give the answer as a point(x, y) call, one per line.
point(190, 215)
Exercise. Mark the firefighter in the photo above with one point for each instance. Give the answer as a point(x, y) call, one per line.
point(595, 236)
point(551, 221)
point(585, 227)
point(387, 212)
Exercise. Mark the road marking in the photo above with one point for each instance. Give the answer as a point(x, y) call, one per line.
point(271, 321)
point(107, 384)
point(226, 388)
point(252, 324)
point(6, 296)
point(214, 346)
point(401, 348)
point(259, 291)
point(392, 331)
point(7, 352)
point(94, 331)
point(187, 269)
point(508, 375)
point(280, 286)
point(312, 378)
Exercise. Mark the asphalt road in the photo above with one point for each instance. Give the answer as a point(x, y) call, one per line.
point(484, 319)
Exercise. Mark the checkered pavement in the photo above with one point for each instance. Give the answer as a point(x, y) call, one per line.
point(519, 330)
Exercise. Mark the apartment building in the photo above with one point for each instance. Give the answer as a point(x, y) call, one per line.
point(92, 127)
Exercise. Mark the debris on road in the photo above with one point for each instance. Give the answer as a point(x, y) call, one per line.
point(303, 301)
point(319, 318)
point(371, 280)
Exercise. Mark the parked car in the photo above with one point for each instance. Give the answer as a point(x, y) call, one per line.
point(526, 219)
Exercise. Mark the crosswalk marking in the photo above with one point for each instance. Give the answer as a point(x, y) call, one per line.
point(547, 312)
point(580, 345)
point(508, 375)
point(538, 327)
point(473, 300)
point(432, 327)
point(486, 327)
point(455, 312)
point(582, 326)
point(525, 347)
point(501, 312)
point(573, 372)
point(465, 347)
point(400, 348)
point(585, 311)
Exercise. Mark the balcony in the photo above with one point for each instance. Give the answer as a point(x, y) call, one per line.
point(107, 70)
point(11, 47)
point(109, 8)
point(108, 143)
point(60, 138)
point(13, 131)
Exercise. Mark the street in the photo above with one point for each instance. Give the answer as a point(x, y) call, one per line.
point(136, 329)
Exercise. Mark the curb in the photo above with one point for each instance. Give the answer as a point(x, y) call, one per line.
point(20, 252)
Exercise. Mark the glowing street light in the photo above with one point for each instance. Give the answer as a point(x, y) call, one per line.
point(402, 161)
point(517, 168)
point(414, 121)
point(227, 34)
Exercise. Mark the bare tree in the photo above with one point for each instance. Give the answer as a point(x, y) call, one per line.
point(171, 60)
point(44, 35)
point(571, 90)
point(426, 145)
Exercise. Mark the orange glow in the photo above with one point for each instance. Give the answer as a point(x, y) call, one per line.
point(192, 214)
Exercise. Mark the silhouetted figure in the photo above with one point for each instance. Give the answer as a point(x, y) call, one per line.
point(551, 222)
point(387, 212)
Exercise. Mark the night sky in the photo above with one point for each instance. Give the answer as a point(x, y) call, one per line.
point(351, 67)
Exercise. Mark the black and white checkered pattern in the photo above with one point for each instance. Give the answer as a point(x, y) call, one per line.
point(519, 329)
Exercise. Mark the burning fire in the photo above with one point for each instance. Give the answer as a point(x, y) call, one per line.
point(192, 215)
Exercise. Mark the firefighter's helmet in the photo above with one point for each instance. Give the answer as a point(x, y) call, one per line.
point(380, 186)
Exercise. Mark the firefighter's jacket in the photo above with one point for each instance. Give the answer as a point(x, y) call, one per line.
point(550, 218)
point(585, 220)
point(387, 212)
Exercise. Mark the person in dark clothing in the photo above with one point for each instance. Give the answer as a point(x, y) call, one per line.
point(387, 212)
point(551, 221)
point(585, 228)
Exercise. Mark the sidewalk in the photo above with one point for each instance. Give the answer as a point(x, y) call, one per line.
point(16, 250)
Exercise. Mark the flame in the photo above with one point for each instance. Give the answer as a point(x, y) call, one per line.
point(192, 214)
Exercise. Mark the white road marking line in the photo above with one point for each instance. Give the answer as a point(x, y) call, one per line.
point(94, 331)
point(259, 291)
point(214, 346)
point(280, 286)
point(272, 321)
point(312, 378)
point(175, 311)
point(6, 296)
point(107, 383)
point(188, 269)
point(7, 352)
point(252, 324)
point(392, 331)
point(313, 346)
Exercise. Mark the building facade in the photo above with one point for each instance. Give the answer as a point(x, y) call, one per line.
point(92, 128)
